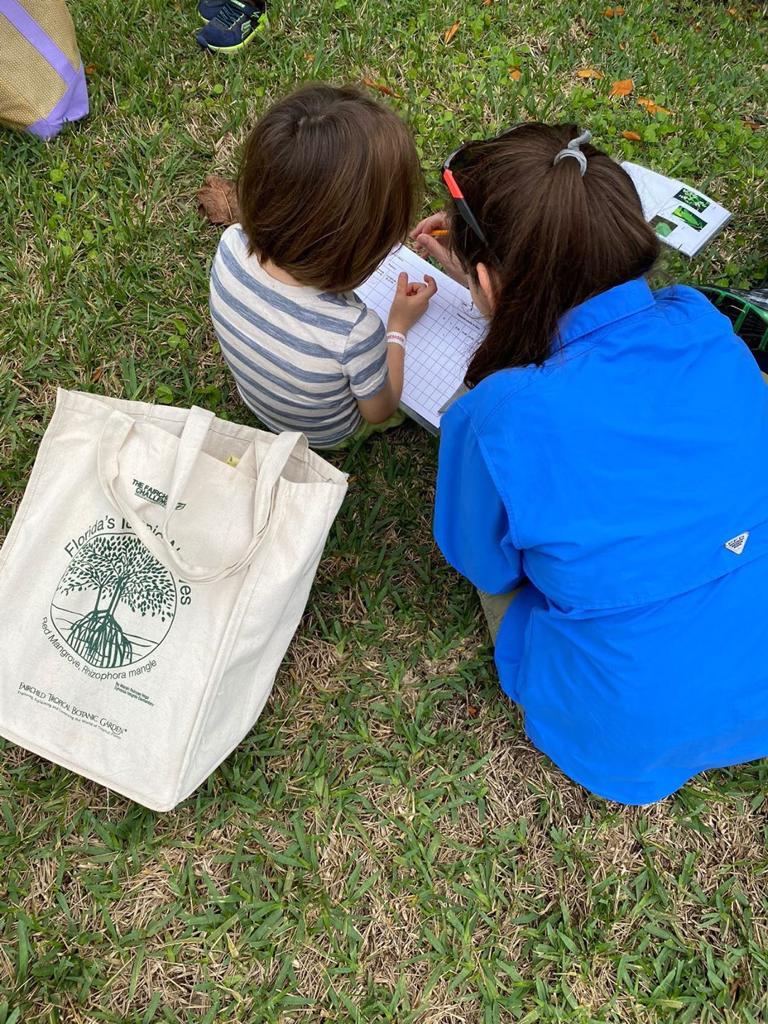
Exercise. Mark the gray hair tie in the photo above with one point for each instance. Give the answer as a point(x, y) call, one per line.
point(573, 149)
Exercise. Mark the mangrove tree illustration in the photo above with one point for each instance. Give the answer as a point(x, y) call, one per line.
point(122, 574)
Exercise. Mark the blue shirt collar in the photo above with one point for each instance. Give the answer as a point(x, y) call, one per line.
point(606, 308)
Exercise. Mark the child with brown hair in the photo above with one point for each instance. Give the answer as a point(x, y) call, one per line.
point(610, 460)
point(329, 183)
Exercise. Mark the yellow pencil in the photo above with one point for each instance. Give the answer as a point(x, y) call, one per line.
point(439, 233)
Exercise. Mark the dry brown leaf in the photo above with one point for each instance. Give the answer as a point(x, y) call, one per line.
point(472, 711)
point(623, 87)
point(632, 136)
point(451, 32)
point(751, 123)
point(217, 200)
point(589, 73)
point(380, 87)
point(614, 12)
point(487, 3)
point(90, 69)
point(97, 374)
point(515, 74)
point(656, 37)
point(651, 107)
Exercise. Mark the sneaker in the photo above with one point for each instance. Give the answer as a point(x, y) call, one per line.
point(208, 9)
point(233, 26)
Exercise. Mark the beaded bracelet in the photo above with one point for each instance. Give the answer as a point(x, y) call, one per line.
point(396, 338)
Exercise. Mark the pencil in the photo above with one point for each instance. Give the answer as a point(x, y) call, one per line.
point(439, 233)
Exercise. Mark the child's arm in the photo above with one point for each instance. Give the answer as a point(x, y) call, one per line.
point(427, 244)
point(411, 301)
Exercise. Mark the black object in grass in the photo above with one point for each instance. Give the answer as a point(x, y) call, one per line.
point(748, 312)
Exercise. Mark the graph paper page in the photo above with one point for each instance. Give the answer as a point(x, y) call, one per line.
point(442, 342)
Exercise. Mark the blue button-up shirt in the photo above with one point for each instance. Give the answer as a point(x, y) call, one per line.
point(613, 478)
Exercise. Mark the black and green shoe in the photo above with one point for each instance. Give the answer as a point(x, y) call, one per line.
point(748, 312)
point(208, 9)
point(232, 26)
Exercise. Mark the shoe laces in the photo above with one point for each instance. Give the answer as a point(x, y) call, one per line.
point(231, 13)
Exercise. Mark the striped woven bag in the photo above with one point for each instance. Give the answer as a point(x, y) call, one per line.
point(42, 81)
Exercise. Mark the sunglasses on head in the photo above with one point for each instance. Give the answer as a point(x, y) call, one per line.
point(458, 159)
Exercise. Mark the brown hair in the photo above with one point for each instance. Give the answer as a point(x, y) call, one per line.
point(555, 237)
point(329, 182)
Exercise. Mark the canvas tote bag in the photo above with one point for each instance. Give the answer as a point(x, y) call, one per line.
point(149, 589)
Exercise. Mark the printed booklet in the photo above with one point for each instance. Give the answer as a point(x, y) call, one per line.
point(682, 217)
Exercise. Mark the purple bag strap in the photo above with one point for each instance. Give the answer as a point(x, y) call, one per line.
point(25, 24)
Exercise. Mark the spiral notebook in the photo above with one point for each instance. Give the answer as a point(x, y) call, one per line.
point(442, 342)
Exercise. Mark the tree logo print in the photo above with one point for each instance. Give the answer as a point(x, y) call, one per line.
point(115, 603)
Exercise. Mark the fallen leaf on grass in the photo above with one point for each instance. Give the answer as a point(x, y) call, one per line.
point(623, 87)
point(380, 87)
point(750, 122)
point(90, 69)
point(651, 107)
point(614, 12)
point(451, 32)
point(632, 136)
point(97, 374)
point(515, 74)
point(589, 73)
point(217, 200)
point(472, 711)
point(656, 37)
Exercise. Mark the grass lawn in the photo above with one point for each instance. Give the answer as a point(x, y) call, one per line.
point(385, 845)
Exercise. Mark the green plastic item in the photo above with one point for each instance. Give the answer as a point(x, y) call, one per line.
point(748, 312)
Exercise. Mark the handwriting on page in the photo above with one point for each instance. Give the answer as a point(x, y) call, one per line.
point(442, 342)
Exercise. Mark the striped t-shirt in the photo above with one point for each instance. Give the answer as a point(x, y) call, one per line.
point(300, 357)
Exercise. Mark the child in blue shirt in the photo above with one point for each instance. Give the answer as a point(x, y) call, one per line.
point(611, 459)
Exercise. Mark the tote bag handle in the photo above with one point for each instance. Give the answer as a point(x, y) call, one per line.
point(116, 431)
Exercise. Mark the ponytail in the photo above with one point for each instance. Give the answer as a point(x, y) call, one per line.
point(558, 233)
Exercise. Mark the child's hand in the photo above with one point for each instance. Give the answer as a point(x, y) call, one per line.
point(435, 222)
point(411, 301)
point(428, 244)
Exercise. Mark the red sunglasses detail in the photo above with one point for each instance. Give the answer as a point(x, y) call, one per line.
point(454, 188)
point(452, 185)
